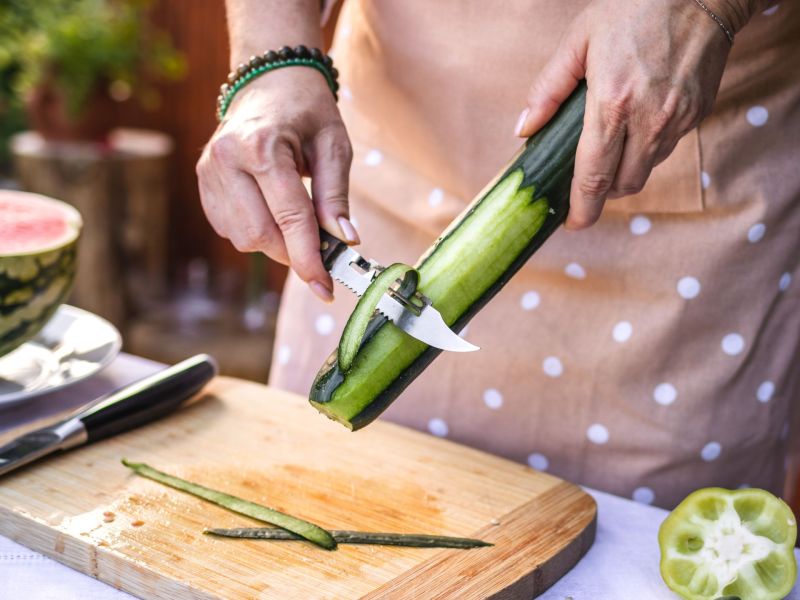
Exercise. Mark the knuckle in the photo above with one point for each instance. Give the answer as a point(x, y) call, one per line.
point(334, 141)
point(342, 150)
point(659, 123)
point(291, 218)
point(615, 111)
point(595, 185)
point(628, 189)
point(224, 149)
point(258, 139)
point(540, 95)
point(201, 166)
point(336, 198)
point(257, 237)
point(581, 221)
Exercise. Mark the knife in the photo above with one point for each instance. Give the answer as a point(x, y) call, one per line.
point(131, 406)
point(416, 317)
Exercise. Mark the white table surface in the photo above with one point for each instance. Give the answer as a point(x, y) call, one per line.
point(622, 564)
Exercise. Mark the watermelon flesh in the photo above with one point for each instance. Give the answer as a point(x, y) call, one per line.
point(31, 223)
point(38, 254)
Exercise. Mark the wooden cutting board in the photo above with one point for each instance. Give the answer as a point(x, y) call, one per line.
point(86, 510)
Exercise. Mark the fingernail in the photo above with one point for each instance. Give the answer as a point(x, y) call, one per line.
point(322, 292)
point(348, 231)
point(521, 121)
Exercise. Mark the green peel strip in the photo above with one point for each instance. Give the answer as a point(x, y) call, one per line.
point(302, 529)
point(409, 540)
point(356, 327)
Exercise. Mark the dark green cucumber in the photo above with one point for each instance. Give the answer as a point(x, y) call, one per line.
point(473, 259)
point(357, 324)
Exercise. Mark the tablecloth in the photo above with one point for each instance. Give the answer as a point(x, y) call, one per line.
point(621, 565)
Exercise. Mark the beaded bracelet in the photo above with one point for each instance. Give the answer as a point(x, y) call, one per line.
point(271, 60)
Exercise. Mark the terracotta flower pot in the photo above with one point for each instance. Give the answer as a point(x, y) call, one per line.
point(49, 115)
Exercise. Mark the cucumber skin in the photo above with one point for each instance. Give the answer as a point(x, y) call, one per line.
point(550, 171)
point(393, 272)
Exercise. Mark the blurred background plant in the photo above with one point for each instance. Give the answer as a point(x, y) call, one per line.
point(63, 60)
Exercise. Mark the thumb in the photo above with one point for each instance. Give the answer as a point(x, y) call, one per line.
point(330, 173)
point(555, 82)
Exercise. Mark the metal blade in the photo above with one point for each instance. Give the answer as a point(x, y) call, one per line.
point(348, 275)
point(355, 273)
point(39, 443)
point(428, 327)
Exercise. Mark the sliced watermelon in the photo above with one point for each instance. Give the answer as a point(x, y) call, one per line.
point(38, 251)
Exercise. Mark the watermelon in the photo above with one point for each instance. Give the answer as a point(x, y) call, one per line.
point(38, 252)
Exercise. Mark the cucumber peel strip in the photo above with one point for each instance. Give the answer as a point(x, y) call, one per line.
point(722, 543)
point(304, 529)
point(356, 327)
point(408, 540)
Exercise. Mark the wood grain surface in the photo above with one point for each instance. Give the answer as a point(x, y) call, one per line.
point(86, 510)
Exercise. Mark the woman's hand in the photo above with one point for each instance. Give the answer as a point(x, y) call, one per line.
point(282, 126)
point(653, 68)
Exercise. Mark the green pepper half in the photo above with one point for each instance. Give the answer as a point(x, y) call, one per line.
point(737, 543)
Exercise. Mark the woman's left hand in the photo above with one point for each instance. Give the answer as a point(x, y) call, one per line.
point(653, 68)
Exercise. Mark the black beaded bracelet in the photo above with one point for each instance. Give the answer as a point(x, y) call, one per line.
point(271, 60)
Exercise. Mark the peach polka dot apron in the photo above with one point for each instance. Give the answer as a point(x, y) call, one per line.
point(655, 353)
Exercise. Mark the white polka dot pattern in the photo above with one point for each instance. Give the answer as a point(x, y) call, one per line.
point(284, 354)
point(435, 197)
point(705, 180)
point(640, 225)
point(324, 324)
point(493, 398)
point(785, 281)
point(438, 427)
point(757, 116)
point(373, 158)
point(732, 344)
point(530, 300)
point(552, 366)
point(688, 287)
point(665, 394)
point(575, 271)
point(710, 451)
point(622, 331)
point(538, 461)
point(756, 232)
point(597, 433)
point(644, 495)
point(765, 391)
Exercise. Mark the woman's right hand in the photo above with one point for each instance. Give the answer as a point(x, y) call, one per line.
point(279, 128)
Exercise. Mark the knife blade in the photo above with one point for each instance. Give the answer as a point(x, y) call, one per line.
point(356, 273)
point(131, 406)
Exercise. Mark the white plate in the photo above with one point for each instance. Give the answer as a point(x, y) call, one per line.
point(75, 344)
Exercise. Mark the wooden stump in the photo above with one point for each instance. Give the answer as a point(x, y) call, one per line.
point(120, 189)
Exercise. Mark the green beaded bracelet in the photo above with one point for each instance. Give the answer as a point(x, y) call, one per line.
point(269, 61)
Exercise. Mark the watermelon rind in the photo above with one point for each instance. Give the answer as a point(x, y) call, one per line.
point(33, 284)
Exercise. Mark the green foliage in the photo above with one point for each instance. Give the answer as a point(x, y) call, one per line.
point(81, 46)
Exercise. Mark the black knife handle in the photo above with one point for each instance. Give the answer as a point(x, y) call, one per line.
point(330, 247)
point(147, 399)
